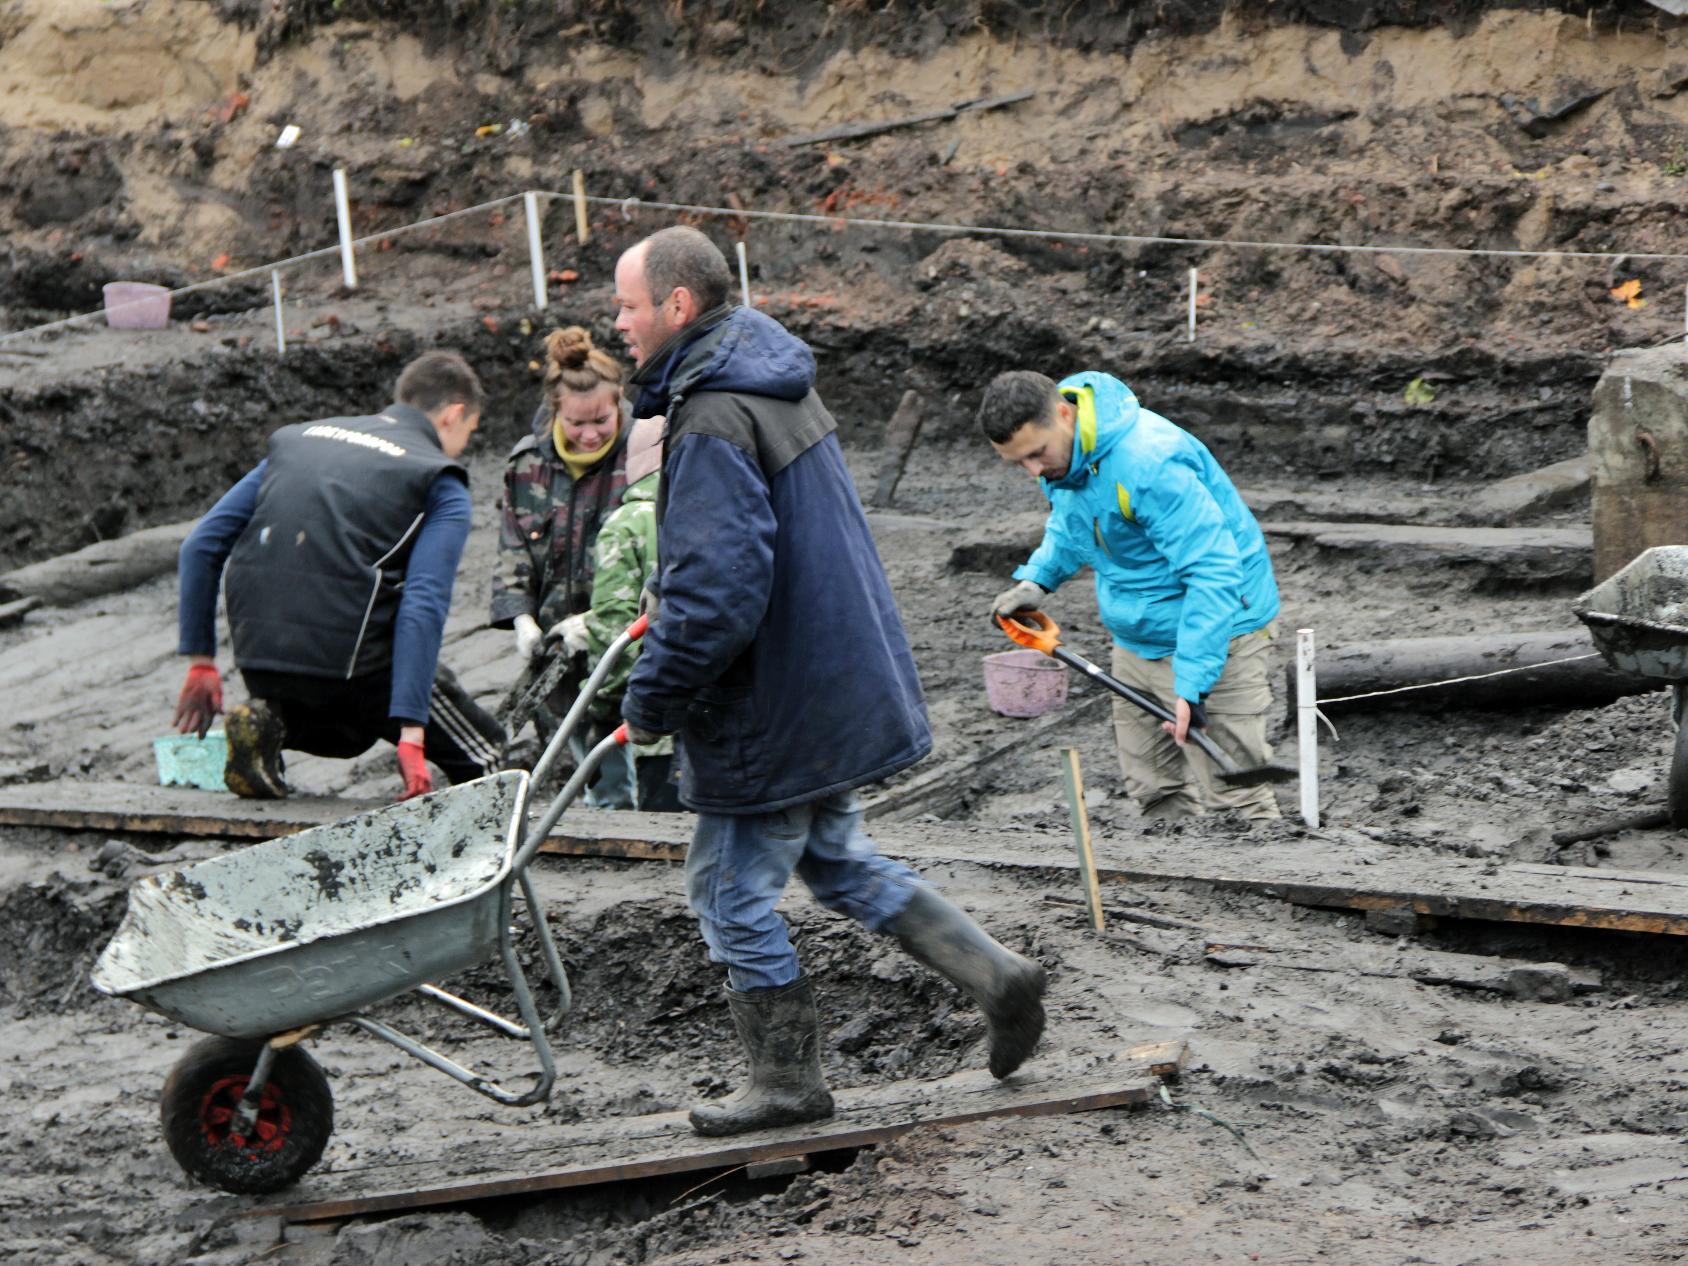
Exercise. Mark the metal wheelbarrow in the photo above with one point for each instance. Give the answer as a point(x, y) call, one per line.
point(1638, 618)
point(265, 946)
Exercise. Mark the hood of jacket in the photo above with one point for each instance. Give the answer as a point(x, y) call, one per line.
point(643, 490)
point(1107, 413)
point(730, 349)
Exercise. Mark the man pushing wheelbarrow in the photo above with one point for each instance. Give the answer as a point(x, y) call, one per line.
point(755, 658)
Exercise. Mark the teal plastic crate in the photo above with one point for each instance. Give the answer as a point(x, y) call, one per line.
point(185, 760)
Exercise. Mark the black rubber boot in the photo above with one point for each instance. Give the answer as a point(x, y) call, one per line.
point(1007, 986)
point(782, 1040)
point(254, 734)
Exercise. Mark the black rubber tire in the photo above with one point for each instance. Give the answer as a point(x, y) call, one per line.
point(295, 1120)
point(1679, 779)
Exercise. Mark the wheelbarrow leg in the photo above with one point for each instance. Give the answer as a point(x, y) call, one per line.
point(553, 960)
point(1678, 764)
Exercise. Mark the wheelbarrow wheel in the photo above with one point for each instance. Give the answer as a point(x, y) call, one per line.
point(295, 1116)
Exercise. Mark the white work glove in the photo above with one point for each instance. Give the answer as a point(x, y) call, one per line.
point(528, 636)
point(1028, 595)
point(571, 633)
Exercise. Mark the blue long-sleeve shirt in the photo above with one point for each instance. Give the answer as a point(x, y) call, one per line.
point(419, 625)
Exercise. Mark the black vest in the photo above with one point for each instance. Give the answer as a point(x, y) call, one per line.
point(313, 582)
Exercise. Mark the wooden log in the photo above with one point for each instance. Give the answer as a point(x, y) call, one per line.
point(1437, 673)
point(900, 435)
point(13, 612)
point(1648, 821)
point(856, 131)
point(101, 568)
point(1486, 559)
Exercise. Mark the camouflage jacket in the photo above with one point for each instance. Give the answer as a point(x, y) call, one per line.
point(626, 558)
point(550, 524)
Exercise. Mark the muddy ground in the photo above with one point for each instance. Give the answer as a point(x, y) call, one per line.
point(1385, 1120)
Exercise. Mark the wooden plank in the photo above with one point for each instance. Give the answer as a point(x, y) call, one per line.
point(183, 811)
point(1670, 878)
point(565, 845)
point(618, 1150)
point(1335, 868)
point(180, 811)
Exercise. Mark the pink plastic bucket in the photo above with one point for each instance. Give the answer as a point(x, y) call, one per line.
point(136, 305)
point(1024, 683)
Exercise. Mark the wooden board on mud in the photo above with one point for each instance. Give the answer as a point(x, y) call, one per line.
point(1334, 868)
point(619, 1149)
point(185, 812)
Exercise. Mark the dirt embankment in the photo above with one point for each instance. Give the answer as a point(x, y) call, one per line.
point(137, 141)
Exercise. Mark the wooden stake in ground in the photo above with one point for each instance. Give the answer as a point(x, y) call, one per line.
point(900, 435)
point(582, 229)
point(1081, 834)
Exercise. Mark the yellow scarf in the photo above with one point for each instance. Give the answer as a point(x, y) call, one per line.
point(575, 461)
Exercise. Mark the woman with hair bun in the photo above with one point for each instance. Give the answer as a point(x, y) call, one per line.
point(560, 484)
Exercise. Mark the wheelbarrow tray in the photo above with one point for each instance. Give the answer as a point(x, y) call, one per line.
point(1638, 617)
point(316, 925)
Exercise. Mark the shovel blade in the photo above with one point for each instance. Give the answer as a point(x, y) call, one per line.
point(1256, 775)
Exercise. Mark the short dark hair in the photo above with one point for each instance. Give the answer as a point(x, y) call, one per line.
point(436, 379)
point(682, 256)
point(1014, 399)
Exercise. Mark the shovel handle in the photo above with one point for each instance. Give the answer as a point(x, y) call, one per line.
point(1036, 631)
point(1033, 630)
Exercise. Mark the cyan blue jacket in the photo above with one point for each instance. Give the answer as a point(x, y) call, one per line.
point(1181, 565)
point(777, 654)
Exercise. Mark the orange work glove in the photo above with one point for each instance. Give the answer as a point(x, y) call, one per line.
point(413, 765)
point(201, 700)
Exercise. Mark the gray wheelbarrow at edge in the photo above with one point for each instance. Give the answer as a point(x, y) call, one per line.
point(1638, 618)
point(263, 946)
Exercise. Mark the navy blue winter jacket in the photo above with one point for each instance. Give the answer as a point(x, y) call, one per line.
point(778, 655)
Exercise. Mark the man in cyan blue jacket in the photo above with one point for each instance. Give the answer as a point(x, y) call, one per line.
point(1183, 579)
point(778, 658)
point(342, 548)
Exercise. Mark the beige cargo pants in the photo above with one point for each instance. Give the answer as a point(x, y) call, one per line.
point(1169, 781)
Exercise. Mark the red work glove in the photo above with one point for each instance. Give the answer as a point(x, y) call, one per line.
point(414, 766)
point(201, 700)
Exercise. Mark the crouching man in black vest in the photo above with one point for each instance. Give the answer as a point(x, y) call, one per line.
point(342, 547)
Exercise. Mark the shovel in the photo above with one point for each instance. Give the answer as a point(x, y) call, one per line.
point(1036, 631)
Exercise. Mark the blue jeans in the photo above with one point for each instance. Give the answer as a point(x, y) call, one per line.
point(738, 865)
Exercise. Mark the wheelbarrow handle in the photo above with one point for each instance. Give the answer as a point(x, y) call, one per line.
point(588, 691)
point(540, 831)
